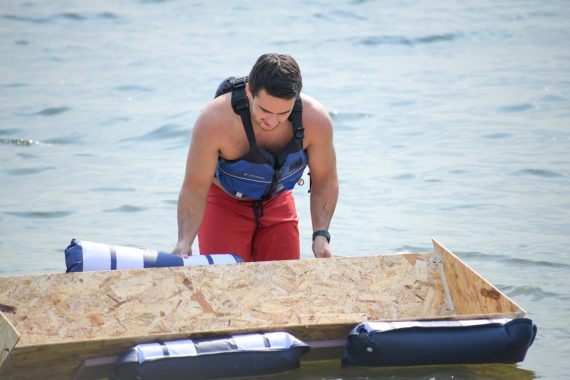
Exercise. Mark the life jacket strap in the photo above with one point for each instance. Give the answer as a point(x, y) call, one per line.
point(296, 118)
point(257, 211)
point(241, 107)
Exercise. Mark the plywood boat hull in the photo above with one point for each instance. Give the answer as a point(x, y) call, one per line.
point(64, 319)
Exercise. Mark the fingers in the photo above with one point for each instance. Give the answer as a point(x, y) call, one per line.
point(321, 249)
point(182, 251)
point(324, 254)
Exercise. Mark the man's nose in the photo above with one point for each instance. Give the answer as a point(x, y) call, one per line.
point(272, 119)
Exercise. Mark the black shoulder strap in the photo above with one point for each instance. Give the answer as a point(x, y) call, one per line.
point(241, 107)
point(296, 118)
point(224, 87)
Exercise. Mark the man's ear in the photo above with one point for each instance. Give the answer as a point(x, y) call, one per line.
point(248, 91)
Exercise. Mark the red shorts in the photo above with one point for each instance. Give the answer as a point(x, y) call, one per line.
point(231, 226)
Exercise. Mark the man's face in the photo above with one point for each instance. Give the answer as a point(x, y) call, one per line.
point(267, 111)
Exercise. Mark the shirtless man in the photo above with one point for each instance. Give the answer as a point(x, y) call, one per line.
point(249, 148)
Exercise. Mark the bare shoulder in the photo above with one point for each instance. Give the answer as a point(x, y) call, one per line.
point(316, 119)
point(214, 119)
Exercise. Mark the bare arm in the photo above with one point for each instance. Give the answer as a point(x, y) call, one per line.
point(200, 167)
point(324, 179)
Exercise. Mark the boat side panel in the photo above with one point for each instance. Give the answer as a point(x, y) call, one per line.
point(67, 318)
point(58, 308)
point(9, 336)
point(471, 294)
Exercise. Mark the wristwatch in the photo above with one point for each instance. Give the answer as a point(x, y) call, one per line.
point(322, 233)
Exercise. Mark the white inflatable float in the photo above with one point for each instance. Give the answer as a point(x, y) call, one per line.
point(85, 256)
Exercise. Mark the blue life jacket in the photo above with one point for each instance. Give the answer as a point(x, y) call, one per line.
point(259, 175)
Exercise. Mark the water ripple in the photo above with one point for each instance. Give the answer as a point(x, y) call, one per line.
point(406, 41)
point(51, 111)
point(114, 120)
point(129, 209)
point(404, 177)
point(29, 171)
point(536, 293)
point(40, 214)
point(72, 140)
point(516, 108)
point(27, 156)
point(13, 85)
point(153, 1)
point(343, 14)
point(542, 173)
point(497, 136)
point(553, 98)
point(290, 41)
point(512, 261)
point(113, 189)
point(165, 132)
point(403, 103)
point(21, 142)
point(471, 206)
point(35, 20)
point(347, 14)
point(179, 114)
point(9, 132)
point(344, 116)
point(68, 16)
point(133, 88)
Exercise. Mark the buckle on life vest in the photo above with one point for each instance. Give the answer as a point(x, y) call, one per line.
point(239, 82)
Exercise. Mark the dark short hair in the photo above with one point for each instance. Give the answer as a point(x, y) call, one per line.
point(278, 74)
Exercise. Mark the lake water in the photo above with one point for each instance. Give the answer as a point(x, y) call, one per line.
point(452, 120)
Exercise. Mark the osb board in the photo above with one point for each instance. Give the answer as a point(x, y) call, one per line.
point(8, 337)
point(65, 318)
point(471, 294)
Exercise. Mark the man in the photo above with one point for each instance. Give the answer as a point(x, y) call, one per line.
point(249, 147)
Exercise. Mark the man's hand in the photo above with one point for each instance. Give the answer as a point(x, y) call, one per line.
point(182, 249)
point(321, 247)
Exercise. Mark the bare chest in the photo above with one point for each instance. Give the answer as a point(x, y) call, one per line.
point(235, 143)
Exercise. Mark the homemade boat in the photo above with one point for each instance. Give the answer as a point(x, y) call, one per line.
point(75, 325)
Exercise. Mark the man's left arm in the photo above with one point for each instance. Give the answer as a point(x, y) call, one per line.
point(324, 179)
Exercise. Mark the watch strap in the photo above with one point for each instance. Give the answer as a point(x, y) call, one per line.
point(324, 233)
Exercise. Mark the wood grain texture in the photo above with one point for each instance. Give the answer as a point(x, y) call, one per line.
point(9, 336)
point(471, 294)
point(64, 319)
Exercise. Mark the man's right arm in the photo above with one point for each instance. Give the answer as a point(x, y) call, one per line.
point(200, 167)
